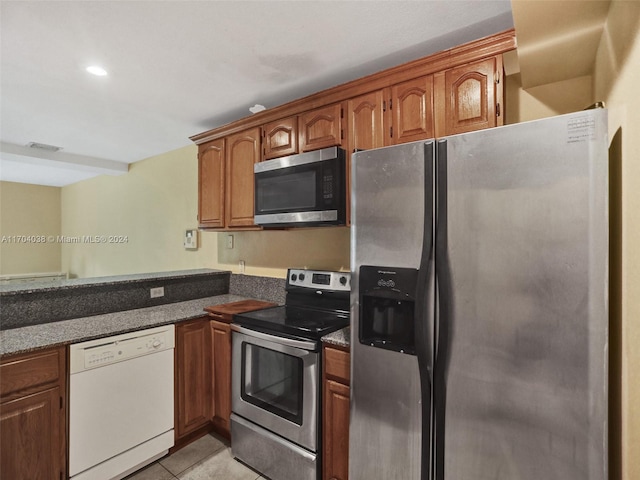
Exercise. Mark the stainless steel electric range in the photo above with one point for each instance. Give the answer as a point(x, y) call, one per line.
point(276, 393)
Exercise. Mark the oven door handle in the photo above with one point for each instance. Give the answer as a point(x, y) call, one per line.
point(289, 342)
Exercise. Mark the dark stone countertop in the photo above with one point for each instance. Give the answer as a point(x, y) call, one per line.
point(52, 285)
point(340, 338)
point(76, 330)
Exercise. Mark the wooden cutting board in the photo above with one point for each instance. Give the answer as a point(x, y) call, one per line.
point(226, 311)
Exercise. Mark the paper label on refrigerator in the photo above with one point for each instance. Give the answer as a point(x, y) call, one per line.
point(581, 129)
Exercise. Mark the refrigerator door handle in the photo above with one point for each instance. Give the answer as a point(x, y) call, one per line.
point(424, 315)
point(444, 316)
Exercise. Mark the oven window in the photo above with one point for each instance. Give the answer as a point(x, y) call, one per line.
point(273, 381)
point(300, 188)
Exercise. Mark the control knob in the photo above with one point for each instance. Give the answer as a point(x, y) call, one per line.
point(343, 280)
point(302, 277)
point(294, 277)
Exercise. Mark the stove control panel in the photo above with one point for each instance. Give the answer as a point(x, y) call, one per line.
point(319, 279)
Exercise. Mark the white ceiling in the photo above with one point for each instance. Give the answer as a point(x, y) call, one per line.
point(178, 68)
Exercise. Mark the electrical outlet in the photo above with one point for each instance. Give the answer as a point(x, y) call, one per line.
point(241, 266)
point(157, 292)
point(229, 241)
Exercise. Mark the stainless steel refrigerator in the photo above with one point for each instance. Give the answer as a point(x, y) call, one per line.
point(479, 310)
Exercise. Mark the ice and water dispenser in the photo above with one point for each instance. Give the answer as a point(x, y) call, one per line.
point(387, 305)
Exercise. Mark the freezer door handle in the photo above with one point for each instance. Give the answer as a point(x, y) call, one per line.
point(444, 317)
point(424, 312)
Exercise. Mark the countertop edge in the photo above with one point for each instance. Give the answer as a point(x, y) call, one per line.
point(66, 332)
point(339, 338)
point(95, 282)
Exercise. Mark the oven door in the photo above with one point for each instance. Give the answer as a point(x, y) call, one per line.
point(275, 384)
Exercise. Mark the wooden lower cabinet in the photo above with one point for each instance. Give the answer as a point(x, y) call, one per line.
point(335, 418)
point(221, 317)
point(33, 416)
point(192, 380)
point(221, 343)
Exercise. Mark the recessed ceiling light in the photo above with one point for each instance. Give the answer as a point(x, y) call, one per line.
point(97, 70)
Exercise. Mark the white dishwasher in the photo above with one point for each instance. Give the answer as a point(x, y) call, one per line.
point(120, 403)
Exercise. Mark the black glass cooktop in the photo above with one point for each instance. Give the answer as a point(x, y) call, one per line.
point(294, 321)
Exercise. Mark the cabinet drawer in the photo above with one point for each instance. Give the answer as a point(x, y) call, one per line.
point(28, 371)
point(337, 363)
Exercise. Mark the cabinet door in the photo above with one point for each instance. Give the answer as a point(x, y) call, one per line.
point(221, 345)
point(242, 152)
point(412, 110)
point(365, 116)
point(31, 437)
point(193, 376)
point(321, 128)
point(211, 182)
point(280, 138)
point(365, 129)
point(470, 97)
point(33, 419)
point(336, 431)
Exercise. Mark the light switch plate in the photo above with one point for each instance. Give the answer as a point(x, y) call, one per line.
point(191, 239)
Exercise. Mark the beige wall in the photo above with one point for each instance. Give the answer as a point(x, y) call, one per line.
point(546, 100)
point(616, 81)
point(29, 210)
point(270, 253)
point(151, 206)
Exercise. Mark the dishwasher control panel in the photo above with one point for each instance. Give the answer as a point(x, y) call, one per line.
point(105, 351)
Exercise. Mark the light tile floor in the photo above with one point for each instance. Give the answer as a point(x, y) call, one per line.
point(205, 459)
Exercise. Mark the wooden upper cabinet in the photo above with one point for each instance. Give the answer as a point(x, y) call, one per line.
point(450, 92)
point(321, 128)
point(412, 110)
point(366, 125)
point(471, 96)
point(280, 138)
point(242, 152)
point(211, 182)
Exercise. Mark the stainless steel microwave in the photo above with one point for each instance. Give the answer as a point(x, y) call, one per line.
point(302, 190)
